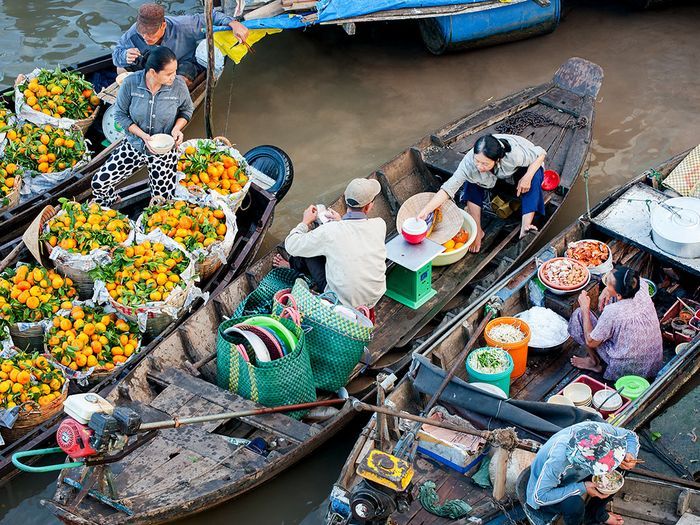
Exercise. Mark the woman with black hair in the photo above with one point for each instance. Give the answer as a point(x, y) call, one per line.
point(626, 337)
point(496, 157)
point(154, 100)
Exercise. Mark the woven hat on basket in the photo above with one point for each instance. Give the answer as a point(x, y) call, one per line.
point(449, 224)
point(31, 236)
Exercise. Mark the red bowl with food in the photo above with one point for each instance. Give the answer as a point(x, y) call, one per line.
point(564, 275)
point(414, 230)
point(550, 180)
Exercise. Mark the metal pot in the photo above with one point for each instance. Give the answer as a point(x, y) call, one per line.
point(675, 227)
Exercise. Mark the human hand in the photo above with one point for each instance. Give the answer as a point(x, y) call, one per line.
point(603, 299)
point(178, 136)
point(132, 54)
point(310, 215)
point(523, 186)
point(147, 141)
point(20, 79)
point(592, 491)
point(584, 301)
point(423, 215)
point(629, 462)
point(239, 31)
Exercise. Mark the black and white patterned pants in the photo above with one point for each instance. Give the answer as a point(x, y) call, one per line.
point(122, 164)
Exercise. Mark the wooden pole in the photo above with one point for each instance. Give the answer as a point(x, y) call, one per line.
point(209, 94)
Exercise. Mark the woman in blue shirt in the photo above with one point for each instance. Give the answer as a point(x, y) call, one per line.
point(149, 102)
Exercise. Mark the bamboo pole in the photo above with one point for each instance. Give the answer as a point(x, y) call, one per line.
point(209, 93)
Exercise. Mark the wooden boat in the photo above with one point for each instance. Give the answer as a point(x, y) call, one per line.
point(253, 220)
point(17, 219)
point(187, 470)
point(546, 374)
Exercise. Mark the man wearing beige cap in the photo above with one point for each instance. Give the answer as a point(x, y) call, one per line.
point(179, 33)
point(346, 255)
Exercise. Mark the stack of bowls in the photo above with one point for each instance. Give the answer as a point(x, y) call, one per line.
point(580, 394)
point(261, 339)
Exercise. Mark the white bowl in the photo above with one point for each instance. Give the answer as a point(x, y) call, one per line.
point(121, 77)
point(162, 143)
point(560, 400)
point(579, 393)
point(455, 255)
point(491, 389)
point(611, 404)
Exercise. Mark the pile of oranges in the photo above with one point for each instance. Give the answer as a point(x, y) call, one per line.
point(30, 293)
point(191, 226)
point(60, 94)
point(81, 228)
point(29, 380)
point(457, 241)
point(88, 337)
point(142, 273)
point(44, 148)
point(207, 167)
point(8, 172)
point(5, 115)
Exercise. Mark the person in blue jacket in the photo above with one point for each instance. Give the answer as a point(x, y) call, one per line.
point(560, 475)
point(181, 34)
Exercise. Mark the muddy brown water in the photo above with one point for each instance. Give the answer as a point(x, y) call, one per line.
point(341, 106)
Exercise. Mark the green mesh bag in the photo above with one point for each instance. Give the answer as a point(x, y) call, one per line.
point(259, 301)
point(284, 381)
point(335, 343)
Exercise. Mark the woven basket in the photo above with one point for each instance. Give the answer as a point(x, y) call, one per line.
point(30, 340)
point(13, 196)
point(29, 420)
point(85, 123)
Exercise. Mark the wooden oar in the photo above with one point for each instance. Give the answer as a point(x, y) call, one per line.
point(12, 255)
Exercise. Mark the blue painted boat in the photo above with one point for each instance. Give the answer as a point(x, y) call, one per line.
point(504, 22)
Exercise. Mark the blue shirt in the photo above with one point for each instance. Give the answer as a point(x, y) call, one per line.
point(182, 34)
point(553, 478)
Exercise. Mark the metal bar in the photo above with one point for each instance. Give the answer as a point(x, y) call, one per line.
point(99, 497)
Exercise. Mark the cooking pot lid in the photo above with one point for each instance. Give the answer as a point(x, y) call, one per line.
point(678, 220)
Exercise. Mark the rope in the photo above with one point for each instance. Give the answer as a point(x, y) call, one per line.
point(453, 508)
point(516, 124)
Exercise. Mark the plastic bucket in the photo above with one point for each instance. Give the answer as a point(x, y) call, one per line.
point(518, 351)
point(501, 380)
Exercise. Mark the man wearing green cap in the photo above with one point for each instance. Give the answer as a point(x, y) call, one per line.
point(346, 255)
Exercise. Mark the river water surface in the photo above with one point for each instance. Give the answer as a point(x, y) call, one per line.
point(341, 106)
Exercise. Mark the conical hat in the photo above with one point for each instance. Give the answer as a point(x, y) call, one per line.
point(449, 225)
point(31, 236)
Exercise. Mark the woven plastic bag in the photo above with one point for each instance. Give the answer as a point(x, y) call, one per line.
point(259, 301)
point(284, 381)
point(335, 342)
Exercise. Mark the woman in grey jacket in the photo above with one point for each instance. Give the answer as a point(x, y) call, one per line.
point(151, 101)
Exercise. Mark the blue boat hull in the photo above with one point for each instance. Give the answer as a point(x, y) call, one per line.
point(505, 23)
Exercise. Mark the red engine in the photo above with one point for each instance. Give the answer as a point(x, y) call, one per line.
point(74, 439)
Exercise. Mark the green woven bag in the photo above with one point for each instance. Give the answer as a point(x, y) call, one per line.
point(259, 301)
point(284, 381)
point(335, 343)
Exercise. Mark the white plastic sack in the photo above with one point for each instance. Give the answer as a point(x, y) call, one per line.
point(25, 112)
point(203, 58)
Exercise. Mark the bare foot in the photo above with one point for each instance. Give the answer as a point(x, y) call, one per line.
point(586, 363)
point(476, 245)
point(524, 231)
point(279, 262)
point(614, 519)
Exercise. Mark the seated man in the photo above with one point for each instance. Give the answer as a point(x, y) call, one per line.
point(179, 33)
point(347, 254)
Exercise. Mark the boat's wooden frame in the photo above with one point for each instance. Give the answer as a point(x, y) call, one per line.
point(160, 387)
point(546, 375)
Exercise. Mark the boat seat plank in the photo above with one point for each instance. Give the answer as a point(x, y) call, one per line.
point(193, 405)
point(562, 100)
point(171, 400)
point(275, 423)
point(443, 161)
point(140, 462)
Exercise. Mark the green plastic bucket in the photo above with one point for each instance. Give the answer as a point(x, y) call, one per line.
point(501, 380)
point(634, 386)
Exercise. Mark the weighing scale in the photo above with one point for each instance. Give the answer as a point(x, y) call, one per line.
point(410, 281)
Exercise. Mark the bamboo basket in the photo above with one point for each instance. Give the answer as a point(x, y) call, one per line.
point(30, 340)
point(83, 124)
point(29, 420)
point(13, 196)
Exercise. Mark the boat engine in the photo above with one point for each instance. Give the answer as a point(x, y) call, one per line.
point(384, 489)
point(94, 426)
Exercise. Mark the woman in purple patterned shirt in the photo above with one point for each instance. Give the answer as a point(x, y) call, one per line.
point(626, 338)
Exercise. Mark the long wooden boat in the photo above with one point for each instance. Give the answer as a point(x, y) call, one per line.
point(16, 219)
point(546, 374)
point(184, 471)
point(253, 220)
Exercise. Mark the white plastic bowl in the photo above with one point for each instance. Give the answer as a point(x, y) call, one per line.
point(612, 404)
point(162, 143)
point(579, 393)
point(455, 255)
point(121, 77)
point(560, 400)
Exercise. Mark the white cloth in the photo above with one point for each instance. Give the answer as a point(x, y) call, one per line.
point(522, 154)
point(355, 257)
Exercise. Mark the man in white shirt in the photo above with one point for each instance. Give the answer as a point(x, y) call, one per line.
point(347, 254)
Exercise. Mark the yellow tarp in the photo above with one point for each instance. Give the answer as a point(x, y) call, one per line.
point(231, 47)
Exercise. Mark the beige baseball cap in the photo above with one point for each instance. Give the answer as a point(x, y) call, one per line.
point(360, 192)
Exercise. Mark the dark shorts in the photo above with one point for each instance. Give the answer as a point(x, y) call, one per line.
point(532, 201)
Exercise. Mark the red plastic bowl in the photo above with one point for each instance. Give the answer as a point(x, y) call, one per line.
point(414, 233)
point(550, 181)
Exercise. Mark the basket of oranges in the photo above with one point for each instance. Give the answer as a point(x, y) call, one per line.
point(10, 184)
point(214, 166)
point(64, 99)
point(205, 231)
point(33, 383)
point(80, 236)
point(149, 283)
point(30, 294)
point(91, 341)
